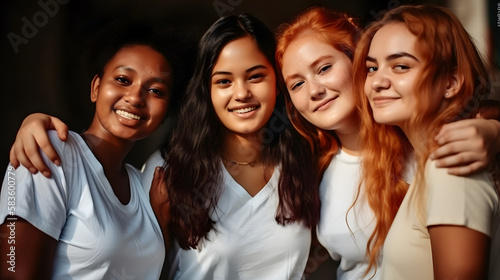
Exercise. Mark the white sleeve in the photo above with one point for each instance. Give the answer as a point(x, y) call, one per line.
point(148, 169)
point(40, 201)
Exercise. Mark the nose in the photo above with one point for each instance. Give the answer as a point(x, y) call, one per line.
point(316, 89)
point(136, 95)
point(241, 91)
point(379, 81)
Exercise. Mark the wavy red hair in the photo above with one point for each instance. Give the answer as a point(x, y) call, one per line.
point(447, 49)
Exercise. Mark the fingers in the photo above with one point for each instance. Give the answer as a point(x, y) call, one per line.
point(158, 195)
point(158, 188)
point(60, 127)
point(31, 137)
point(471, 145)
point(467, 169)
point(460, 130)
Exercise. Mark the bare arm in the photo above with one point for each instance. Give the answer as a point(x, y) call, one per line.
point(31, 137)
point(459, 252)
point(34, 251)
point(467, 146)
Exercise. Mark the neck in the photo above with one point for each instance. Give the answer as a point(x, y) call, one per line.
point(349, 137)
point(242, 148)
point(111, 154)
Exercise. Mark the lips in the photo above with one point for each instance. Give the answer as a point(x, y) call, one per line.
point(325, 104)
point(128, 115)
point(244, 110)
point(381, 100)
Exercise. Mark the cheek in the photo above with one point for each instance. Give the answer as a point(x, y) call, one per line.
point(216, 97)
point(299, 100)
point(367, 87)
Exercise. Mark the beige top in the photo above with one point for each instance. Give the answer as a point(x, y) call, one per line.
point(451, 200)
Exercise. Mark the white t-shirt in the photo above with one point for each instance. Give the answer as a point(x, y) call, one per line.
point(451, 200)
point(98, 237)
point(345, 241)
point(247, 242)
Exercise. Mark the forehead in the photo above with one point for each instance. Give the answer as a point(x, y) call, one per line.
point(140, 58)
point(242, 52)
point(309, 46)
point(392, 38)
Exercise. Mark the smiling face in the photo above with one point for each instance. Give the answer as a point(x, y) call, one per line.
point(319, 80)
point(132, 95)
point(394, 66)
point(243, 87)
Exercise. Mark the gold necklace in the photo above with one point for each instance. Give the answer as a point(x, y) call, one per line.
point(233, 162)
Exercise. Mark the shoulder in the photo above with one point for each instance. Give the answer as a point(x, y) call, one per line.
point(148, 169)
point(468, 201)
point(438, 177)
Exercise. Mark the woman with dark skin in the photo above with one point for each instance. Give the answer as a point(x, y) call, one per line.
point(92, 219)
point(240, 201)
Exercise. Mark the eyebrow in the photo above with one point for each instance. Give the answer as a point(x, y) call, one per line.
point(260, 66)
point(393, 56)
point(156, 79)
point(125, 67)
point(316, 62)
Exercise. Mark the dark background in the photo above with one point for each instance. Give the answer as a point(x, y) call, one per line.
point(45, 73)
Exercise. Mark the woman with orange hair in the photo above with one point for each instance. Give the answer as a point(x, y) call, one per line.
point(420, 70)
point(315, 52)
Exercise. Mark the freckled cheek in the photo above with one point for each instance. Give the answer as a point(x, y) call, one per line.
point(299, 100)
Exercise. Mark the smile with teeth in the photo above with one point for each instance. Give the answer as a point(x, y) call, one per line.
point(244, 110)
point(127, 115)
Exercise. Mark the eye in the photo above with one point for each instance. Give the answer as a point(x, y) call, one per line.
point(122, 80)
point(257, 77)
point(155, 91)
point(324, 68)
point(371, 69)
point(223, 82)
point(401, 68)
point(296, 85)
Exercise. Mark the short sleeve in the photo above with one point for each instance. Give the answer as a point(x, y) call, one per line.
point(39, 200)
point(469, 201)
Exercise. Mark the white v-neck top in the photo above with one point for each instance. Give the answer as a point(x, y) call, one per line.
point(97, 236)
point(247, 242)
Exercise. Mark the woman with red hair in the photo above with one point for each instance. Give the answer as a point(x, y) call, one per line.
point(420, 70)
point(315, 52)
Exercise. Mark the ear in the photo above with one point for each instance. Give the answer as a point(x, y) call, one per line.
point(454, 84)
point(94, 88)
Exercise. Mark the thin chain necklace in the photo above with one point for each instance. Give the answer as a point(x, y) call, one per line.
point(233, 162)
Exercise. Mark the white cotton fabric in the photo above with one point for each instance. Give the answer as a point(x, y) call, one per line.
point(247, 243)
point(343, 232)
point(98, 237)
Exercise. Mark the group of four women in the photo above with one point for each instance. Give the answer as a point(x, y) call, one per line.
point(245, 189)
